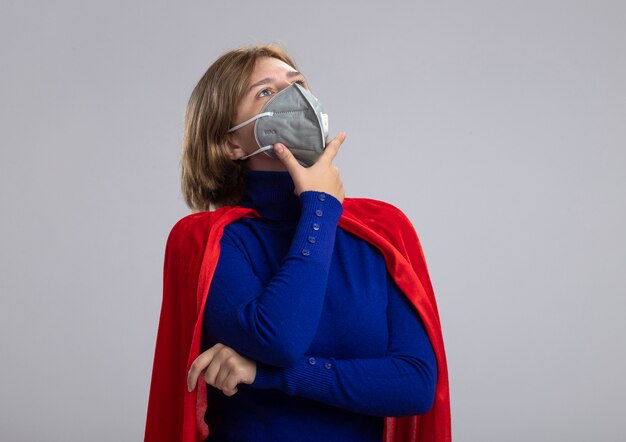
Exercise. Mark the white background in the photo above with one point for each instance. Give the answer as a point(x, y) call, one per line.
point(497, 126)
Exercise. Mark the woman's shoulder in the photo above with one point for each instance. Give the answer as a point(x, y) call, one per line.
point(371, 209)
point(386, 220)
point(190, 221)
point(196, 227)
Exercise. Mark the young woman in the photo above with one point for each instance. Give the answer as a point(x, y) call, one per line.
point(310, 317)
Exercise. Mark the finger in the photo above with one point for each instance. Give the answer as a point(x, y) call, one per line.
point(229, 387)
point(330, 152)
point(199, 365)
point(212, 372)
point(230, 392)
point(287, 158)
point(222, 377)
point(197, 368)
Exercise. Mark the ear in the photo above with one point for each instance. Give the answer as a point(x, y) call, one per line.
point(233, 150)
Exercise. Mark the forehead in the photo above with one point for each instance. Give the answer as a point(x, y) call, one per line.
point(268, 67)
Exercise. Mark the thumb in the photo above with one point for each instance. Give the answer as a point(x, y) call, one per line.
point(287, 158)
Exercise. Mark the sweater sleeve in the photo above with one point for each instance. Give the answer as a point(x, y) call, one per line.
point(400, 384)
point(275, 323)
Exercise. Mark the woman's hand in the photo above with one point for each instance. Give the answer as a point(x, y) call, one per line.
point(223, 368)
point(323, 176)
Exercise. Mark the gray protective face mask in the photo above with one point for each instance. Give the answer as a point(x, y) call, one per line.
point(293, 117)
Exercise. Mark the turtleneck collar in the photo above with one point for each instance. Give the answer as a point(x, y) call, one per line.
point(271, 194)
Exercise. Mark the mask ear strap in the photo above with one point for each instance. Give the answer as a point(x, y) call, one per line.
point(250, 120)
point(262, 149)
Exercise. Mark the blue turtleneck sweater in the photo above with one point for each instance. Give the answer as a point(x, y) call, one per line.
point(337, 344)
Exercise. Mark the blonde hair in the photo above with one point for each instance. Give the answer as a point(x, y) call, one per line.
point(209, 178)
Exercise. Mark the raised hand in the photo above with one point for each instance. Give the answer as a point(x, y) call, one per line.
point(323, 176)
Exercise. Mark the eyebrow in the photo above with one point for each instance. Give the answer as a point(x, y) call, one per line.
point(267, 80)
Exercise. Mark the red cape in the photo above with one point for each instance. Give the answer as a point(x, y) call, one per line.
point(191, 255)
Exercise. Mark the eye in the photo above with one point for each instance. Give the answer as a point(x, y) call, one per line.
point(265, 93)
point(301, 83)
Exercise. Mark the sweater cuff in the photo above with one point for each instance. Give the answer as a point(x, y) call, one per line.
point(308, 374)
point(314, 238)
point(267, 376)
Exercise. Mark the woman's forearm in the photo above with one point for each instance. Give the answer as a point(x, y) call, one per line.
point(275, 323)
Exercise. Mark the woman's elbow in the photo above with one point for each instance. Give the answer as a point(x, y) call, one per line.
point(421, 394)
point(284, 355)
point(282, 342)
point(424, 402)
point(416, 402)
point(282, 351)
